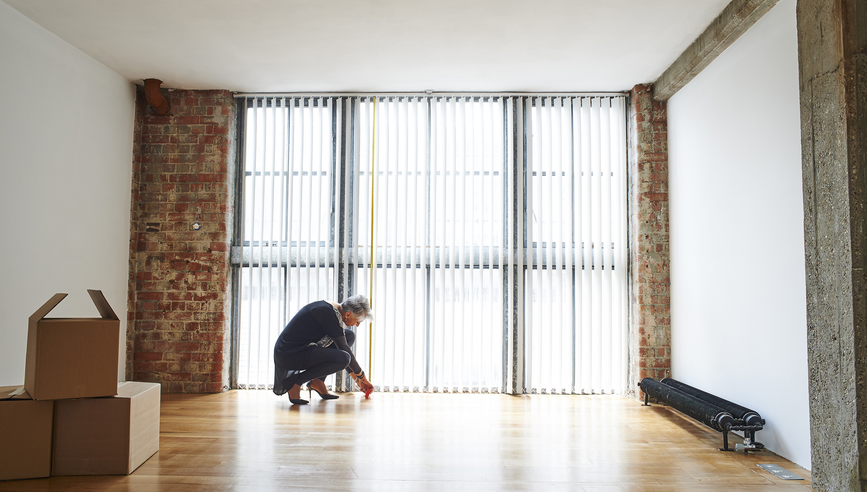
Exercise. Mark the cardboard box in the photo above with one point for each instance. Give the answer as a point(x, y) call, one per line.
point(25, 435)
point(107, 436)
point(72, 357)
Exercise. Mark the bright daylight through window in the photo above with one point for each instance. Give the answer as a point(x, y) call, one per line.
point(488, 231)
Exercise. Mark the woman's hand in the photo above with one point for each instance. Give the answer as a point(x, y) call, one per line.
point(364, 384)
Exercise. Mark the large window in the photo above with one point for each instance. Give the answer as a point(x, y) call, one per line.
point(488, 231)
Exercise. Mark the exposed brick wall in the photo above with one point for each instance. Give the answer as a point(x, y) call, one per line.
point(649, 300)
point(133, 228)
point(180, 291)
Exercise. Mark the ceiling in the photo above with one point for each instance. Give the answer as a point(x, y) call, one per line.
point(381, 45)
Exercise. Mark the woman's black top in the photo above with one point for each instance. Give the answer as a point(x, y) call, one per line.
point(315, 323)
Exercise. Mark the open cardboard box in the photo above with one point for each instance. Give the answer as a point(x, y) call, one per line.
point(72, 357)
point(107, 436)
point(25, 435)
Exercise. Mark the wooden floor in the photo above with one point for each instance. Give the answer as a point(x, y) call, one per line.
point(255, 441)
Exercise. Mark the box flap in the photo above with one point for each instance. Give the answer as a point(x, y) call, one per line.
point(105, 311)
point(47, 307)
point(13, 393)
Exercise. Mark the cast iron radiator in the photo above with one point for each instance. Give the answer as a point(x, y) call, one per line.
point(718, 414)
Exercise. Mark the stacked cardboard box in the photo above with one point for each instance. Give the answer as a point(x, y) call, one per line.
point(25, 427)
point(72, 417)
point(107, 436)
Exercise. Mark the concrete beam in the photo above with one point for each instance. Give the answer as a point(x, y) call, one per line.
point(733, 21)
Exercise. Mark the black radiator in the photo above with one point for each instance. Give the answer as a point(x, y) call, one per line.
point(745, 415)
point(715, 412)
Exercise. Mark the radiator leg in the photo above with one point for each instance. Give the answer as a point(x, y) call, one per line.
point(725, 441)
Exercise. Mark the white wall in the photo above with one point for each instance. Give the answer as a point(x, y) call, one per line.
point(738, 296)
point(66, 124)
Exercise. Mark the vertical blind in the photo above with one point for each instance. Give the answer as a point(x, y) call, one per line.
point(487, 230)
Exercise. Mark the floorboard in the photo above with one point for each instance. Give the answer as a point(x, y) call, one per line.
point(255, 441)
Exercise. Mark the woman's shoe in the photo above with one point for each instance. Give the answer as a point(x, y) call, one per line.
point(324, 396)
point(288, 383)
point(298, 401)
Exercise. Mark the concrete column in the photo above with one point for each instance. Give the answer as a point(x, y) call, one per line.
point(832, 52)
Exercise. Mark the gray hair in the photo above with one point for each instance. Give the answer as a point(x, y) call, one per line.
point(358, 305)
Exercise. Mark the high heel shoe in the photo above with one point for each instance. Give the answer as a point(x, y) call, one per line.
point(289, 382)
point(324, 396)
point(298, 401)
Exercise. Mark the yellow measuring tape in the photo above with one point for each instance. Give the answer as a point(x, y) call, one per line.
point(372, 259)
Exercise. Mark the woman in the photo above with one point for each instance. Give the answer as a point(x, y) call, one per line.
point(316, 343)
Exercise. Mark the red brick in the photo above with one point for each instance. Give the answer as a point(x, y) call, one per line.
point(150, 296)
point(149, 356)
point(214, 246)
